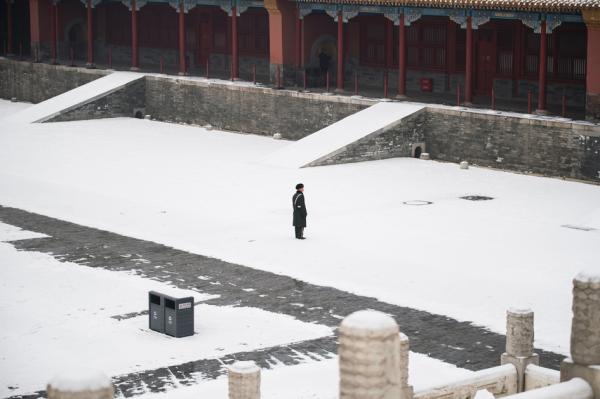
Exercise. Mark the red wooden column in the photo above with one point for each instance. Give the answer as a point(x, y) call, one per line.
point(134, 38)
point(299, 23)
point(9, 28)
point(389, 43)
point(401, 57)
point(542, 70)
point(34, 28)
point(592, 76)
point(54, 32)
point(340, 52)
point(469, 64)
point(90, 36)
point(235, 67)
point(181, 17)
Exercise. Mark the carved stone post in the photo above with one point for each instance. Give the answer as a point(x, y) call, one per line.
point(373, 358)
point(80, 384)
point(244, 381)
point(585, 333)
point(519, 343)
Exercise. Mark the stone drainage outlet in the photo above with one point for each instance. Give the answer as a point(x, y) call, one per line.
point(417, 202)
point(476, 198)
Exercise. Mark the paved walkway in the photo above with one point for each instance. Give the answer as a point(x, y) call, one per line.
point(460, 343)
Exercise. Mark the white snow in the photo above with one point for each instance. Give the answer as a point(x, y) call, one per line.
point(59, 318)
point(589, 275)
point(370, 320)
point(315, 380)
point(334, 137)
point(576, 388)
point(8, 108)
point(484, 394)
point(80, 379)
point(70, 99)
point(520, 311)
point(206, 192)
point(244, 367)
point(13, 233)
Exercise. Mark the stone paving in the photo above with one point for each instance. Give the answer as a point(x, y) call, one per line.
point(460, 343)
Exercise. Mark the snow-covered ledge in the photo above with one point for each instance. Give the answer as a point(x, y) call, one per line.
point(373, 357)
point(573, 389)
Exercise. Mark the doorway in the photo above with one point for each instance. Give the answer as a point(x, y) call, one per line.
point(486, 62)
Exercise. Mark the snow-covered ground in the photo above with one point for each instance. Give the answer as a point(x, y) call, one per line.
point(318, 380)
point(7, 108)
point(207, 192)
point(60, 318)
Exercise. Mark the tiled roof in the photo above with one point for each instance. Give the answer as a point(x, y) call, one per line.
point(516, 5)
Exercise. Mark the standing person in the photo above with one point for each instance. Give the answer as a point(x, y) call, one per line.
point(324, 60)
point(299, 211)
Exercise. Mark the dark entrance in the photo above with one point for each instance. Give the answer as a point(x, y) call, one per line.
point(418, 152)
point(485, 61)
point(77, 41)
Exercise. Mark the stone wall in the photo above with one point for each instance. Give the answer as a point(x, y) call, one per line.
point(536, 145)
point(504, 141)
point(391, 143)
point(34, 82)
point(245, 108)
point(122, 102)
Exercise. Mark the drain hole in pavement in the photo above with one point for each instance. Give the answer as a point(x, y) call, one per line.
point(476, 198)
point(417, 202)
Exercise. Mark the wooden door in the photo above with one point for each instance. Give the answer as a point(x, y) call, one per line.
point(486, 61)
point(204, 43)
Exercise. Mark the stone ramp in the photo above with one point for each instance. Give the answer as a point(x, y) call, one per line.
point(336, 137)
point(71, 99)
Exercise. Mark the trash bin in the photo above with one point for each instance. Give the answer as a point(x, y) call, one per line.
point(156, 311)
point(179, 316)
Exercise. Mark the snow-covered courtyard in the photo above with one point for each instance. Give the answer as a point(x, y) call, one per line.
point(211, 193)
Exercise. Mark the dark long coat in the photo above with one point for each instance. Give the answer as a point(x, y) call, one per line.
point(299, 209)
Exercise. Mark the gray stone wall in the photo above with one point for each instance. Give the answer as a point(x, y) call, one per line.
point(540, 146)
point(122, 102)
point(245, 108)
point(395, 142)
point(34, 82)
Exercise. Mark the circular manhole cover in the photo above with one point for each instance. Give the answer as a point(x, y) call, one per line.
point(417, 202)
point(476, 198)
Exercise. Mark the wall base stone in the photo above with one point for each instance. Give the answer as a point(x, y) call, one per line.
point(592, 107)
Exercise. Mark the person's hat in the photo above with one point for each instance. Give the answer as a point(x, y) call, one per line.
point(299, 186)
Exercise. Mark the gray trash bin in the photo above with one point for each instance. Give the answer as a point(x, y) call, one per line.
point(179, 316)
point(156, 311)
